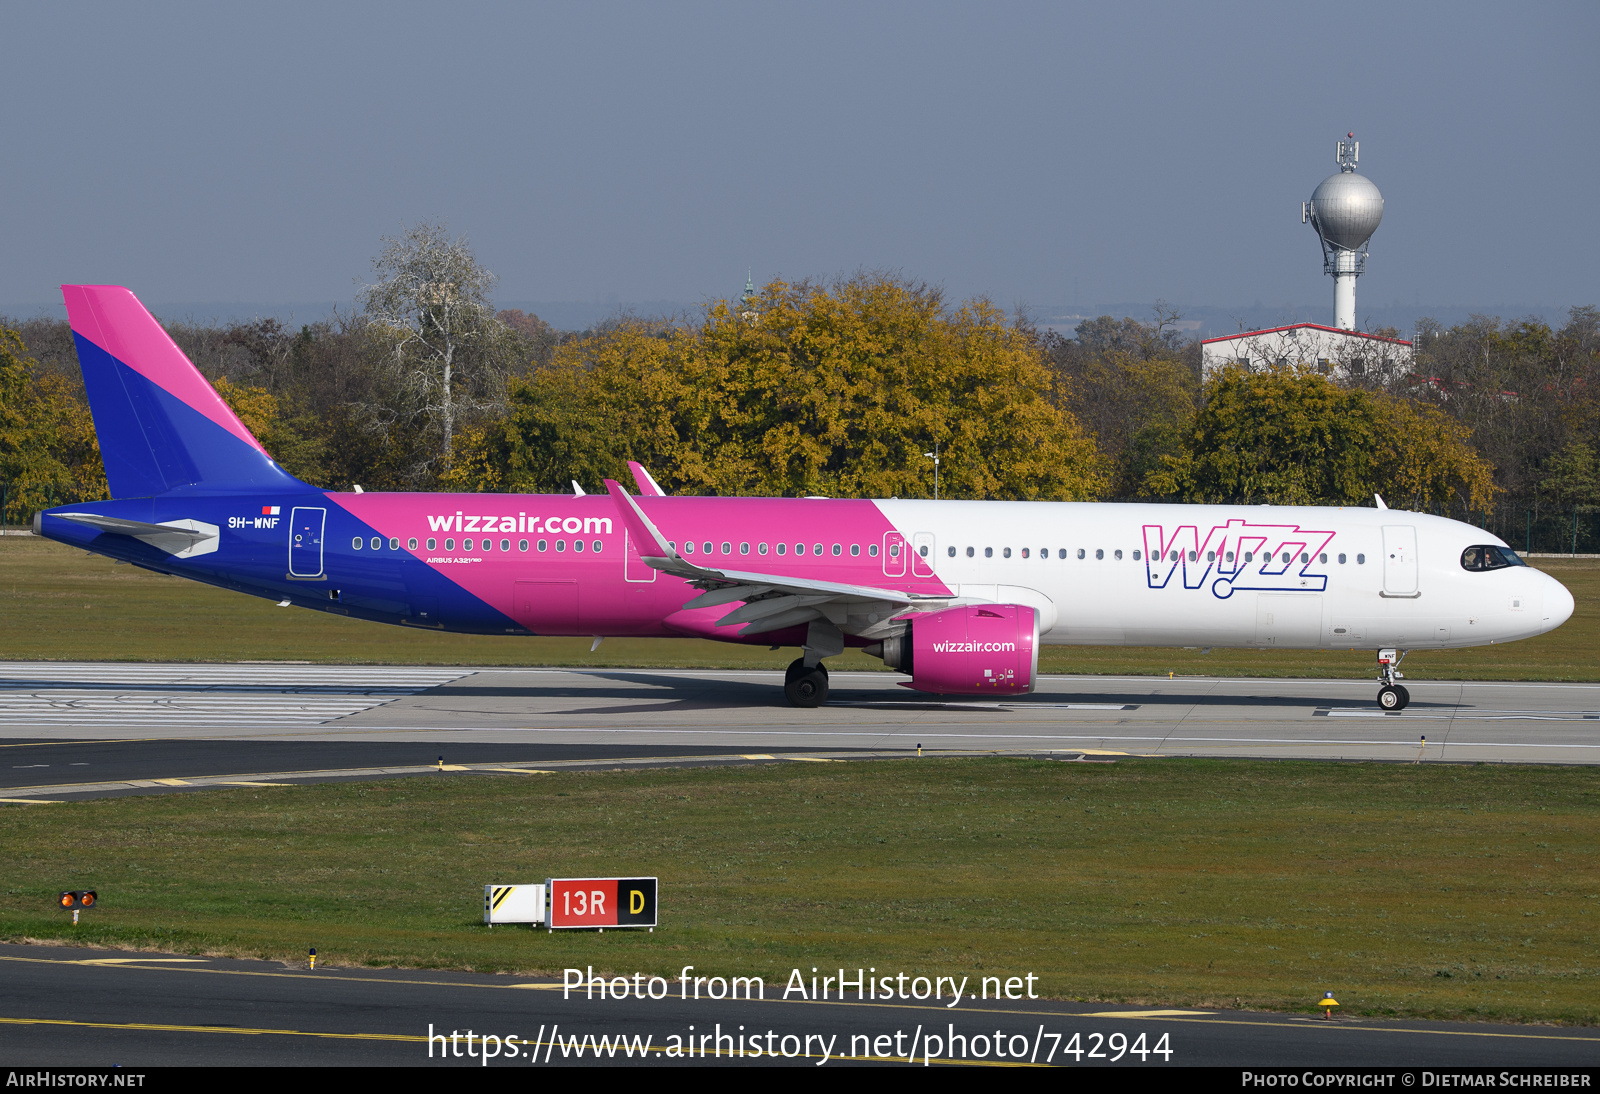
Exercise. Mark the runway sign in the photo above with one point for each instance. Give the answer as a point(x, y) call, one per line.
point(601, 902)
point(513, 904)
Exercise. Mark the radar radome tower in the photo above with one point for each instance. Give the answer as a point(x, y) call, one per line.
point(1345, 210)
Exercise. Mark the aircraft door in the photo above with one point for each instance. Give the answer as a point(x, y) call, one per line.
point(922, 555)
point(1399, 560)
point(634, 567)
point(547, 607)
point(894, 554)
point(305, 541)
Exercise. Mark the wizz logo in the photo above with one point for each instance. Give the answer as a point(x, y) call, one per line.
point(1237, 555)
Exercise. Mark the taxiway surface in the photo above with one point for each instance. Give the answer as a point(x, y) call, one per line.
point(96, 1008)
point(111, 726)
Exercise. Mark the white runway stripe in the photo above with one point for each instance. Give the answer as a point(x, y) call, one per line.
point(180, 696)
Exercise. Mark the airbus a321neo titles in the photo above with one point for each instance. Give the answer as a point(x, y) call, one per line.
point(957, 595)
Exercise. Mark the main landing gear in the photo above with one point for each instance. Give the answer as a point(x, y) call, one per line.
point(1392, 696)
point(806, 685)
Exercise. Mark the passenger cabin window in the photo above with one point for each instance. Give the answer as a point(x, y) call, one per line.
point(1487, 557)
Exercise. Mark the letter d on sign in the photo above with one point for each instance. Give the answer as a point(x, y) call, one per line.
point(636, 902)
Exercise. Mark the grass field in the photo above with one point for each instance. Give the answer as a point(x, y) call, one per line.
point(62, 604)
point(1459, 891)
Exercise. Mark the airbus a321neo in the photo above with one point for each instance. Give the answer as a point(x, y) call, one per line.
point(957, 595)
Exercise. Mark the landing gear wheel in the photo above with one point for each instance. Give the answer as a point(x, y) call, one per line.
point(1405, 695)
point(1393, 697)
point(805, 687)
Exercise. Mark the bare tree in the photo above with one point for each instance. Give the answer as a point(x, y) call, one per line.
point(431, 302)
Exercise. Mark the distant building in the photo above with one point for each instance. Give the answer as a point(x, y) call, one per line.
point(1342, 354)
point(748, 299)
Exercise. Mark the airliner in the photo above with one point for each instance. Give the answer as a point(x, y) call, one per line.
point(957, 596)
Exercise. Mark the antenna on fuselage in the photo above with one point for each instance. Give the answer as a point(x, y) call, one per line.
point(577, 490)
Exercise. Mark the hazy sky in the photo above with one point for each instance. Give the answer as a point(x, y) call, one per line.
point(1042, 153)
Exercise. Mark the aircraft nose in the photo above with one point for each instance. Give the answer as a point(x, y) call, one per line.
point(1558, 604)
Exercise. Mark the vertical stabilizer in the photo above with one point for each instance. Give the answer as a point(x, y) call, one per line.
point(161, 425)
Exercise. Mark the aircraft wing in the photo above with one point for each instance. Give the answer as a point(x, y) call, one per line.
point(770, 601)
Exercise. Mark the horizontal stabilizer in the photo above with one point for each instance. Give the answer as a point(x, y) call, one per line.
point(179, 538)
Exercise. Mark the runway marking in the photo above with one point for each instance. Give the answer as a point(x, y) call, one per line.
point(1210, 1019)
point(156, 1027)
point(141, 960)
point(1145, 1013)
point(285, 697)
point(526, 1042)
point(1466, 714)
point(545, 767)
point(29, 801)
point(911, 734)
point(1022, 705)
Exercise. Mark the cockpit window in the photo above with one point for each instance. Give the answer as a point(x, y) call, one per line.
point(1488, 557)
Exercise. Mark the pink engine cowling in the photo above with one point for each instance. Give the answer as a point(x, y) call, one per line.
point(980, 649)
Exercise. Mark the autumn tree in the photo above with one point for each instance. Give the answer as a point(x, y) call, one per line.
point(1286, 435)
point(820, 389)
point(1134, 385)
point(48, 453)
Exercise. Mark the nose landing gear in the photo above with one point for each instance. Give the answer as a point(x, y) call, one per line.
point(1392, 696)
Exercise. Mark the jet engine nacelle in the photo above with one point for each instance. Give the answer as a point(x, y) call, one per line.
point(978, 649)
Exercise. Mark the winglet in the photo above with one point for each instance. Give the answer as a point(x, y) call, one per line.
point(639, 526)
point(647, 485)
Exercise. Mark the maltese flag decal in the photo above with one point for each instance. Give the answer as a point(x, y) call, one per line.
point(269, 510)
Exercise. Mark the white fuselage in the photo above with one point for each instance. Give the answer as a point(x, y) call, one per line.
point(1391, 578)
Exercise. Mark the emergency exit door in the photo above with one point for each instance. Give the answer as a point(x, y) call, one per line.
point(1399, 560)
point(305, 541)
